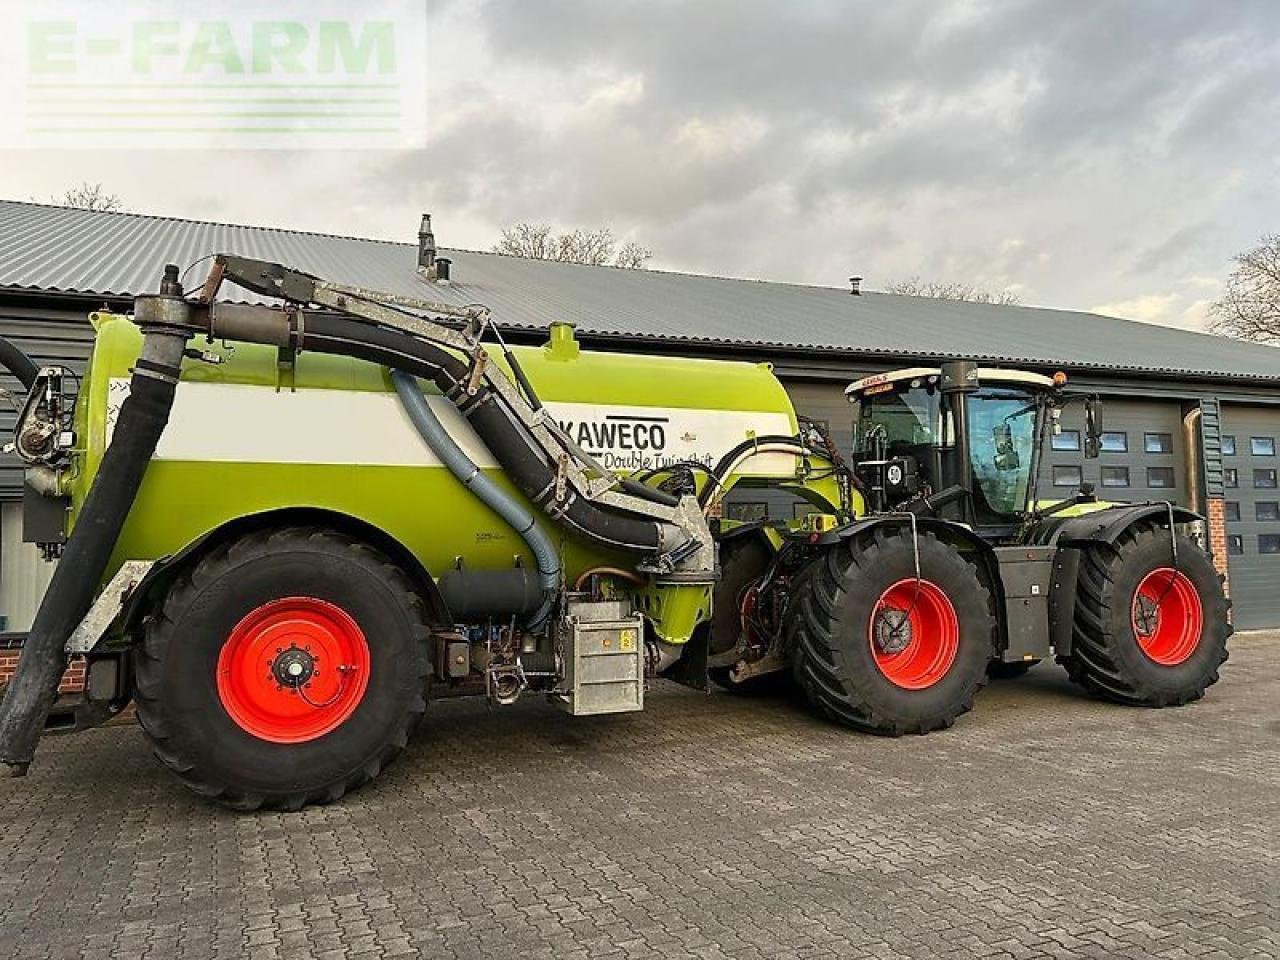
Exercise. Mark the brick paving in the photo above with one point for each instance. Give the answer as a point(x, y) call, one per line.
point(1043, 825)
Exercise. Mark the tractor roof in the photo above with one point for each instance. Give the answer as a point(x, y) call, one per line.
point(888, 381)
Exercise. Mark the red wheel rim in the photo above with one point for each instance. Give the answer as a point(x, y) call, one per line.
point(914, 634)
point(293, 669)
point(1167, 616)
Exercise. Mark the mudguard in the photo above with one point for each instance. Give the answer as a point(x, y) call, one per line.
point(1106, 526)
point(944, 530)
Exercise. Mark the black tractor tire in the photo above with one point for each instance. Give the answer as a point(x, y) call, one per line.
point(999, 670)
point(830, 632)
point(180, 700)
point(742, 561)
point(1107, 656)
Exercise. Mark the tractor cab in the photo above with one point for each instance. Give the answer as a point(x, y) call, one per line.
point(959, 441)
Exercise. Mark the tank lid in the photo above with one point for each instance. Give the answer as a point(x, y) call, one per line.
point(562, 345)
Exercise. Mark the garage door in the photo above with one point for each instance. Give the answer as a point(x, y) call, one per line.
point(1250, 464)
point(1142, 454)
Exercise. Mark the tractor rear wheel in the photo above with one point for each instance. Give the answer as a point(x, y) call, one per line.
point(285, 667)
point(877, 649)
point(1149, 630)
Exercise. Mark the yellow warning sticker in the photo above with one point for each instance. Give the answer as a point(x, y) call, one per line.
point(627, 640)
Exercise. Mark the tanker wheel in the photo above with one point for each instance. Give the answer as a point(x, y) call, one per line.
point(1148, 632)
point(284, 668)
point(877, 649)
point(742, 562)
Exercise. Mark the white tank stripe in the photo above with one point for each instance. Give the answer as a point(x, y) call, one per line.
point(237, 423)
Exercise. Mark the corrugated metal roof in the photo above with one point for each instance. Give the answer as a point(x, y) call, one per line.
point(60, 249)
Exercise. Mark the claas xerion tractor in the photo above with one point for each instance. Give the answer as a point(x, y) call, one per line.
point(285, 527)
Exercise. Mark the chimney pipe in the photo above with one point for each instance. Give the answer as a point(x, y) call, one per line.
point(426, 244)
point(442, 269)
point(855, 286)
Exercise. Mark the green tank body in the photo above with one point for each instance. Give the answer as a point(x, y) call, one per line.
point(249, 435)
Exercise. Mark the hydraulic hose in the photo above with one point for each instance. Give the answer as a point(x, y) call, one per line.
point(483, 487)
point(18, 363)
point(142, 419)
point(508, 440)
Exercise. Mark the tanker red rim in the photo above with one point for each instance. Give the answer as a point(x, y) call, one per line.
point(1167, 616)
point(293, 669)
point(922, 612)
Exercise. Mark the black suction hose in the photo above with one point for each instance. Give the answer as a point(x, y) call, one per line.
point(142, 419)
point(18, 363)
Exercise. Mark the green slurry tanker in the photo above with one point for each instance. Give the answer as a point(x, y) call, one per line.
point(284, 528)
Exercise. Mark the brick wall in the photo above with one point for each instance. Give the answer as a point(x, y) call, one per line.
point(1216, 512)
point(72, 680)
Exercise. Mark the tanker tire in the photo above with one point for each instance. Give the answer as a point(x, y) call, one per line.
point(743, 561)
point(827, 633)
point(1106, 658)
point(177, 696)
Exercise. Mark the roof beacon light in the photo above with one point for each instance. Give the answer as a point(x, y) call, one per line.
point(1059, 379)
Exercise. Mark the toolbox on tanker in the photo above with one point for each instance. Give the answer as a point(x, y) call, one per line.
point(603, 650)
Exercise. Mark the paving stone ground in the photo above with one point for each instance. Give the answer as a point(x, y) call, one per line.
point(1043, 825)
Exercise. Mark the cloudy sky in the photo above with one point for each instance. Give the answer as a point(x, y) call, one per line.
point(1096, 154)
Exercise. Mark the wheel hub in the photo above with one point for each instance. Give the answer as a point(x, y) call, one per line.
point(892, 631)
point(293, 667)
point(1146, 615)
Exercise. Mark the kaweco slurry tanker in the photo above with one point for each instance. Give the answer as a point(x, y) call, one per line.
point(289, 527)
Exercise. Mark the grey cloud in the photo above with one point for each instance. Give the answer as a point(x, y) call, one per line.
point(1173, 250)
point(1062, 145)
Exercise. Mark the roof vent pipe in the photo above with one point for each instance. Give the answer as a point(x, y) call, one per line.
point(855, 286)
point(426, 244)
point(442, 269)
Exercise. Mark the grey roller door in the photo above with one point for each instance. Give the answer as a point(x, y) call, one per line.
point(1143, 459)
point(1253, 513)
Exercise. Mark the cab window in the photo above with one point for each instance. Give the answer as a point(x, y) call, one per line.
point(908, 417)
point(1002, 446)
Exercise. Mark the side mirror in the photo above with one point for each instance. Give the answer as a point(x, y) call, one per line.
point(1006, 457)
point(1092, 428)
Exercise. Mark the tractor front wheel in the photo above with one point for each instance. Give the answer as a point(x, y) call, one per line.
point(879, 648)
point(285, 667)
point(1151, 628)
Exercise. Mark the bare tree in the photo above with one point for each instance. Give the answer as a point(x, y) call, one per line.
point(593, 247)
point(915, 287)
point(632, 255)
point(532, 240)
point(88, 196)
point(596, 247)
point(1249, 308)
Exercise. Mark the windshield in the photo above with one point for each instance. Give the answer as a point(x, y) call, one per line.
point(908, 417)
point(1002, 443)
